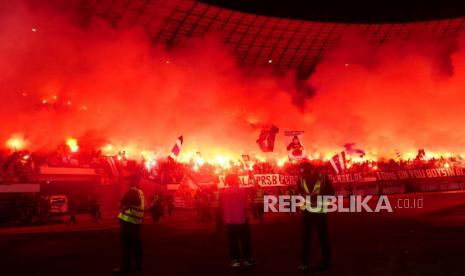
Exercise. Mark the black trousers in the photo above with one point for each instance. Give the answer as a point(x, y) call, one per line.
point(258, 210)
point(218, 216)
point(131, 244)
point(239, 236)
point(319, 222)
point(157, 212)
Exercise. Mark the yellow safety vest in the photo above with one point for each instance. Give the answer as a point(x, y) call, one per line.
point(134, 214)
point(316, 190)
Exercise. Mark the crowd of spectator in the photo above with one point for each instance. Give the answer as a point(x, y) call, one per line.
point(23, 166)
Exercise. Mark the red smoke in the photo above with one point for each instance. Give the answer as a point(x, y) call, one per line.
point(104, 86)
point(402, 96)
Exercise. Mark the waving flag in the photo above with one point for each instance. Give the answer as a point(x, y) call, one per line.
point(190, 181)
point(113, 166)
point(176, 148)
point(350, 149)
point(266, 139)
point(338, 162)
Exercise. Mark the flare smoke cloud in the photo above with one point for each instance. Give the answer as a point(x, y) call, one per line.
point(103, 85)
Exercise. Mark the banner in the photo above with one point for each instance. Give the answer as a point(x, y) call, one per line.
point(347, 178)
point(420, 174)
point(264, 180)
point(276, 179)
point(243, 181)
point(398, 175)
point(294, 145)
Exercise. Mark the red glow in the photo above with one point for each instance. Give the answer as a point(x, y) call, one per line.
point(72, 144)
point(388, 99)
point(15, 143)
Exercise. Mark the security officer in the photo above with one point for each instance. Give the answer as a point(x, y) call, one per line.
point(131, 216)
point(313, 182)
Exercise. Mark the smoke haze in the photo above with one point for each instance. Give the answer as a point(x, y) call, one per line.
point(107, 86)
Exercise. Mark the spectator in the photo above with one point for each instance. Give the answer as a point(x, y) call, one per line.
point(234, 201)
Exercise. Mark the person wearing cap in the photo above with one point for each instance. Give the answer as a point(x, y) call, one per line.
point(314, 183)
point(131, 216)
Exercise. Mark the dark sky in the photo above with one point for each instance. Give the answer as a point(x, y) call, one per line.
point(350, 10)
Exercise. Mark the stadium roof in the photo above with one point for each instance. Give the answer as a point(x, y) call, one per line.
point(353, 11)
point(255, 39)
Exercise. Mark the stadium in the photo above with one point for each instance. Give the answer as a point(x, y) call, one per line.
point(203, 137)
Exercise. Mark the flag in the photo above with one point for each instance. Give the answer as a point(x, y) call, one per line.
point(349, 148)
point(176, 148)
point(113, 166)
point(266, 139)
point(421, 155)
point(338, 162)
point(187, 180)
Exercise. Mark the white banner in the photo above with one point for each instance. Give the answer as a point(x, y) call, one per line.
point(264, 180)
